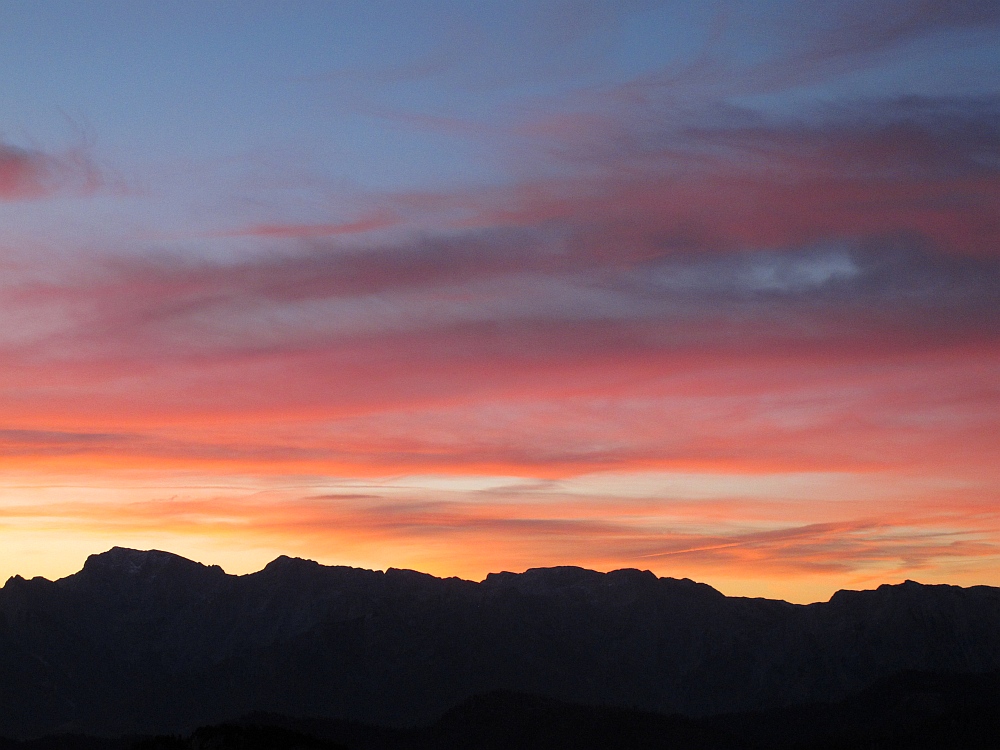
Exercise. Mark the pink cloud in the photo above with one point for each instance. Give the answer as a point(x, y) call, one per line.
point(30, 175)
point(377, 220)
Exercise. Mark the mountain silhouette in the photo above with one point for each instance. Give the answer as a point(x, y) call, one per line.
point(910, 711)
point(152, 643)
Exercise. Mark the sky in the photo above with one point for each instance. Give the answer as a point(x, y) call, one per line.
point(706, 288)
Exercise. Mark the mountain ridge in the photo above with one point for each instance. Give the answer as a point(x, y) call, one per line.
point(148, 641)
point(136, 561)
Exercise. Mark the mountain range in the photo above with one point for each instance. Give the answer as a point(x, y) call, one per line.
point(147, 642)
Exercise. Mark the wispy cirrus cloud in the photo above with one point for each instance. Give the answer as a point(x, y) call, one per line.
point(755, 49)
point(825, 247)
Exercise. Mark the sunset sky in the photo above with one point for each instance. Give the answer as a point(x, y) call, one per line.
point(705, 288)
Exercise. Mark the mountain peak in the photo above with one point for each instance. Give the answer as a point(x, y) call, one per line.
point(284, 566)
point(564, 577)
point(135, 561)
point(124, 565)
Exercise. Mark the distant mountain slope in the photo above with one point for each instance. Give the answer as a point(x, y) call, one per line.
point(151, 642)
point(911, 711)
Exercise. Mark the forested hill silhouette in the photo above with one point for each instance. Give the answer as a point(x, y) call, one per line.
point(149, 642)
